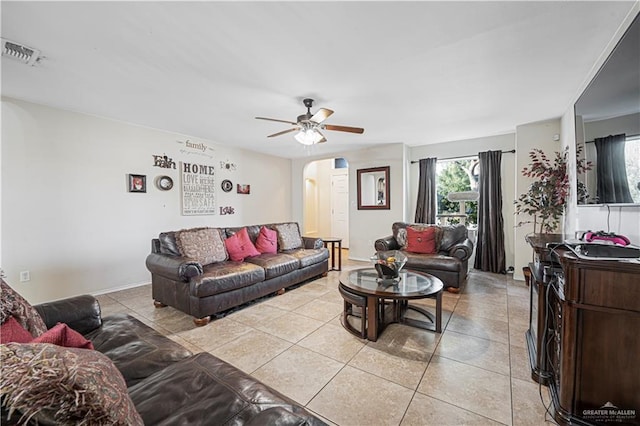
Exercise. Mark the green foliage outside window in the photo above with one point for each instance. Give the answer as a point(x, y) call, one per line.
point(456, 176)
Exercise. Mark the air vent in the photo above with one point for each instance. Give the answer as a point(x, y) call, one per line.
point(19, 52)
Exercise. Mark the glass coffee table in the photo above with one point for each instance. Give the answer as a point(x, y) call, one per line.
point(382, 295)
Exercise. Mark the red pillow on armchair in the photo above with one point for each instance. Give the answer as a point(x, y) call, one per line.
point(422, 241)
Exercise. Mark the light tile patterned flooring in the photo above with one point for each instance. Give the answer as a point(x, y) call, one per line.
point(476, 372)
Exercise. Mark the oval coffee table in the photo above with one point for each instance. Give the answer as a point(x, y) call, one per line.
point(412, 285)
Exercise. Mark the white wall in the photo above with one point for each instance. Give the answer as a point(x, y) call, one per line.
point(365, 226)
point(468, 148)
point(529, 136)
point(67, 216)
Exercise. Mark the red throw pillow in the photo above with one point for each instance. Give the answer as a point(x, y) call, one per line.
point(423, 241)
point(267, 241)
point(62, 335)
point(239, 246)
point(12, 331)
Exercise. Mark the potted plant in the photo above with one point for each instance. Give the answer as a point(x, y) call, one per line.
point(548, 193)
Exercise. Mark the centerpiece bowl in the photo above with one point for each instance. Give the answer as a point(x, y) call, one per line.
point(388, 264)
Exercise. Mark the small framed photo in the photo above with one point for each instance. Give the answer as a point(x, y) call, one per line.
point(244, 189)
point(137, 183)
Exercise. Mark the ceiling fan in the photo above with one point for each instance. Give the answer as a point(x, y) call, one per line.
point(309, 125)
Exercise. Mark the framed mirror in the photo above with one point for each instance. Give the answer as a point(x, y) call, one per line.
point(373, 188)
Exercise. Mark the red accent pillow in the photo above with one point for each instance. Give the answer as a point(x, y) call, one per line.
point(62, 335)
point(423, 241)
point(267, 241)
point(239, 246)
point(12, 331)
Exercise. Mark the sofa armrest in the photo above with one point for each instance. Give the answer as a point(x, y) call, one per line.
point(462, 250)
point(312, 242)
point(81, 313)
point(175, 268)
point(386, 243)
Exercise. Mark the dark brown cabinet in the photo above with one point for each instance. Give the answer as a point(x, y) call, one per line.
point(588, 347)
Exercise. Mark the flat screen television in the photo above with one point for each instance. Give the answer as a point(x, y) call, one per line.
point(607, 117)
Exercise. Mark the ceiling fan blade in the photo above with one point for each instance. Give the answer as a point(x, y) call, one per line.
point(344, 128)
point(275, 119)
point(321, 115)
point(283, 132)
point(323, 138)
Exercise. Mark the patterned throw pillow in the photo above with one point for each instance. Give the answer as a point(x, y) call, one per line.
point(267, 241)
point(422, 239)
point(64, 385)
point(288, 236)
point(401, 238)
point(204, 245)
point(239, 246)
point(12, 304)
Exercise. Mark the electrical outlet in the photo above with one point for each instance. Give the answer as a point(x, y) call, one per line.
point(25, 276)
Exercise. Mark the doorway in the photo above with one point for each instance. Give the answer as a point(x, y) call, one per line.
point(326, 199)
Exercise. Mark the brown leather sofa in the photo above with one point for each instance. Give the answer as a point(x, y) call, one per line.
point(450, 263)
point(167, 383)
point(204, 290)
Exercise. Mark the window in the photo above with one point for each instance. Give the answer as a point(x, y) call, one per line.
point(632, 158)
point(457, 176)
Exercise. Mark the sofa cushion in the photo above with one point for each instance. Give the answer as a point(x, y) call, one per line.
point(12, 331)
point(64, 385)
point(308, 257)
point(205, 245)
point(267, 241)
point(226, 276)
point(436, 262)
point(421, 239)
point(239, 246)
point(137, 350)
point(205, 387)
point(12, 304)
point(288, 236)
point(275, 264)
point(168, 244)
point(452, 235)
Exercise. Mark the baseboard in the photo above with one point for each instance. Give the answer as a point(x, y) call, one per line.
point(119, 288)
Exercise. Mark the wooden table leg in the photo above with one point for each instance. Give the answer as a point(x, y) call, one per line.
point(439, 312)
point(340, 255)
point(372, 318)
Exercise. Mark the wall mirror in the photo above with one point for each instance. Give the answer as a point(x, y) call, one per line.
point(373, 188)
point(607, 118)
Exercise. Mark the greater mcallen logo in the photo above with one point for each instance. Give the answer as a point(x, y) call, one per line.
point(609, 413)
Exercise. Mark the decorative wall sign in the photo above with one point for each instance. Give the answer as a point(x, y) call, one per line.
point(164, 162)
point(196, 148)
point(165, 183)
point(227, 165)
point(226, 185)
point(137, 183)
point(244, 189)
point(198, 189)
point(227, 210)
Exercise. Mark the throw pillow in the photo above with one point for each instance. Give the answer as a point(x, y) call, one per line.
point(204, 245)
point(12, 331)
point(46, 382)
point(421, 240)
point(62, 335)
point(239, 246)
point(267, 241)
point(12, 304)
point(288, 236)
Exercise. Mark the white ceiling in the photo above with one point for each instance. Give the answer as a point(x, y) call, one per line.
point(410, 72)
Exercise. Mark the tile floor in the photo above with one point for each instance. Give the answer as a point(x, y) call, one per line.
point(475, 372)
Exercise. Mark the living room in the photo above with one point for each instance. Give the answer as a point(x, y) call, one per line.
point(70, 220)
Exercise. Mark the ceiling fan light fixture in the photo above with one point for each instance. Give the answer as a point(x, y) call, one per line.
point(308, 136)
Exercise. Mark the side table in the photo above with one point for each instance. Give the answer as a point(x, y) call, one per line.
point(333, 241)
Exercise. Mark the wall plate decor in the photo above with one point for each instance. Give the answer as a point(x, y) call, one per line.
point(244, 189)
point(165, 183)
point(137, 183)
point(227, 185)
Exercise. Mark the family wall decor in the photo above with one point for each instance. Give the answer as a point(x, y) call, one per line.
point(137, 183)
point(198, 189)
point(164, 162)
